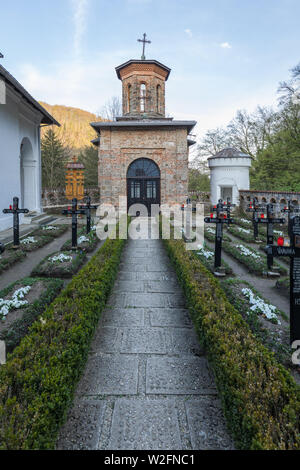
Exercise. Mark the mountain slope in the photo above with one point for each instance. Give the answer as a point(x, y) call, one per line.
point(75, 131)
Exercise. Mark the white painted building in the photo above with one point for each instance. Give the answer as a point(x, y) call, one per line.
point(21, 118)
point(229, 172)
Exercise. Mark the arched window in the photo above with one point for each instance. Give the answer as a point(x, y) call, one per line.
point(128, 98)
point(143, 168)
point(158, 98)
point(143, 97)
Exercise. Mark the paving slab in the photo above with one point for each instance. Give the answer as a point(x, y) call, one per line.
point(129, 317)
point(82, 428)
point(179, 376)
point(146, 300)
point(105, 340)
point(144, 340)
point(145, 424)
point(110, 375)
point(163, 286)
point(177, 317)
point(207, 425)
point(130, 286)
point(185, 340)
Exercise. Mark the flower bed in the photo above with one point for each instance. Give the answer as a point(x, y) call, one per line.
point(10, 257)
point(38, 381)
point(256, 262)
point(273, 332)
point(15, 324)
point(242, 233)
point(209, 233)
point(283, 286)
point(60, 264)
point(208, 259)
point(260, 398)
point(51, 230)
point(85, 242)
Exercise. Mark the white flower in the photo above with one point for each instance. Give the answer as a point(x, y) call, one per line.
point(210, 230)
point(244, 230)
point(28, 240)
point(82, 239)
point(15, 302)
point(246, 221)
point(207, 254)
point(61, 258)
point(259, 306)
point(49, 227)
point(246, 252)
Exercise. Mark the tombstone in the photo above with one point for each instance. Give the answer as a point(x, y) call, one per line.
point(220, 219)
point(74, 212)
point(293, 251)
point(14, 209)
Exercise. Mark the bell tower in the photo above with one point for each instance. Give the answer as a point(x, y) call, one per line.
point(143, 89)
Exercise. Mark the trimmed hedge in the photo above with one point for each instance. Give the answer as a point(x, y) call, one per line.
point(260, 398)
point(38, 381)
point(13, 334)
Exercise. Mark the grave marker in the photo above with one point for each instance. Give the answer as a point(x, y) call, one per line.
point(255, 207)
point(290, 209)
point(14, 209)
point(270, 220)
point(220, 219)
point(87, 208)
point(74, 211)
point(293, 251)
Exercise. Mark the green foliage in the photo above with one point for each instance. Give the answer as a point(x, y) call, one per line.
point(54, 157)
point(89, 157)
point(38, 381)
point(19, 328)
point(260, 398)
point(198, 181)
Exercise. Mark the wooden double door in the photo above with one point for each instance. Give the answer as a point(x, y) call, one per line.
point(144, 191)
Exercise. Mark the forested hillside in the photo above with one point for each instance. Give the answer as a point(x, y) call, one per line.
point(75, 132)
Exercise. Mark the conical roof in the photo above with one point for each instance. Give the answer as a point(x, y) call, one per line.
point(230, 152)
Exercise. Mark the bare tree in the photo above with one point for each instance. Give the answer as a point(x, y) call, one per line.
point(112, 109)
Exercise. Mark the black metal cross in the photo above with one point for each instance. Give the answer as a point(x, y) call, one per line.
point(87, 208)
point(220, 219)
point(144, 41)
point(293, 251)
point(74, 212)
point(228, 209)
point(290, 209)
point(14, 209)
point(255, 207)
point(270, 220)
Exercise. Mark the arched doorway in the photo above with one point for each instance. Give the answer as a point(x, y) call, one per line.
point(28, 176)
point(143, 183)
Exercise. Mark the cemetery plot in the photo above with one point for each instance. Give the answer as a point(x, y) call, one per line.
point(51, 230)
point(207, 258)
point(252, 259)
point(245, 234)
point(266, 322)
point(85, 241)
point(210, 234)
point(283, 286)
point(10, 257)
point(60, 264)
point(20, 305)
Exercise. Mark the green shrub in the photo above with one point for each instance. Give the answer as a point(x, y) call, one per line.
point(260, 398)
point(13, 334)
point(38, 381)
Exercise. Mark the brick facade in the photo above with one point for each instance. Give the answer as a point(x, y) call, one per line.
point(143, 132)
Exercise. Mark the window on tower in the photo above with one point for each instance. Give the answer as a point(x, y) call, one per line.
point(128, 98)
point(143, 97)
point(158, 98)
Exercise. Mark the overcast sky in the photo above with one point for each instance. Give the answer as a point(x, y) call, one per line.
point(224, 54)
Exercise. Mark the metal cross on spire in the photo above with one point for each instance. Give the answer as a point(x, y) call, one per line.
point(144, 41)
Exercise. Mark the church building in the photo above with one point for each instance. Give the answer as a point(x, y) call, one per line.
point(143, 154)
point(21, 118)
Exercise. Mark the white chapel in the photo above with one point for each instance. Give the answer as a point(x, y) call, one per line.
point(21, 118)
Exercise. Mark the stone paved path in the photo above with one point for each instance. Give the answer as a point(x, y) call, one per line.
point(147, 384)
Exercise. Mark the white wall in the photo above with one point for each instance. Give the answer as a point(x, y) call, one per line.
point(17, 121)
point(228, 172)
